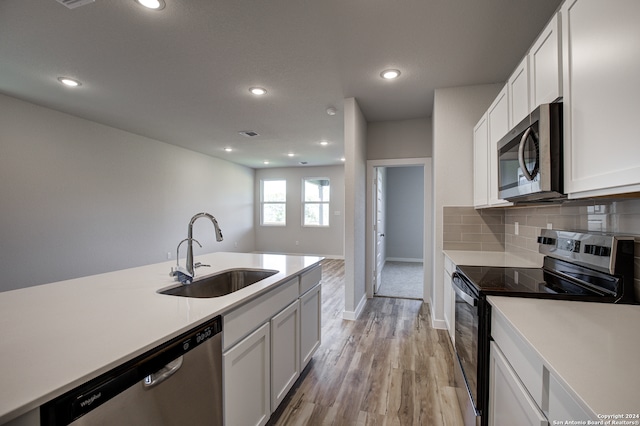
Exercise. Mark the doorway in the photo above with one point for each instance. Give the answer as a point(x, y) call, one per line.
point(399, 228)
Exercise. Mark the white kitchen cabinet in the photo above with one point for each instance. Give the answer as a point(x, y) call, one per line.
point(601, 65)
point(562, 406)
point(449, 298)
point(247, 385)
point(481, 163)
point(285, 352)
point(509, 401)
point(498, 121)
point(518, 88)
point(310, 324)
point(545, 66)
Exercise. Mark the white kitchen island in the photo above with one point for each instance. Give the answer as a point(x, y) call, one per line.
point(57, 336)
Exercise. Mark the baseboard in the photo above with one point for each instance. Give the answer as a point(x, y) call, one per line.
point(351, 315)
point(439, 324)
point(403, 259)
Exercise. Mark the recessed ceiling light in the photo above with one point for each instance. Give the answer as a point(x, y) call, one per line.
point(324, 143)
point(228, 149)
point(291, 154)
point(69, 82)
point(152, 4)
point(258, 91)
point(342, 159)
point(331, 111)
point(390, 74)
point(265, 162)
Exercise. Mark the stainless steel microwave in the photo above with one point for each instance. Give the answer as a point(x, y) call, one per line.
point(530, 157)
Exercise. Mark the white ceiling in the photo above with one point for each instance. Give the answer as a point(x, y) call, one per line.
point(181, 75)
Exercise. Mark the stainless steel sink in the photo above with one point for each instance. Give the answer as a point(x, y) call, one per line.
point(219, 284)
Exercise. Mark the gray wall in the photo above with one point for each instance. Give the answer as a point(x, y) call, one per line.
point(81, 198)
point(404, 227)
point(311, 240)
point(399, 139)
point(455, 113)
point(355, 149)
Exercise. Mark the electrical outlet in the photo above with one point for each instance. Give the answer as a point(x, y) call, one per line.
point(516, 228)
point(168, 255)
point(549, 225)
point(296, 242)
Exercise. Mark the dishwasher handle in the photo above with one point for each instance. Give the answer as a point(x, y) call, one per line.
point(154, 379)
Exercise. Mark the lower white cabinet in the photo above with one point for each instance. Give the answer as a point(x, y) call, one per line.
point(247, 380)
point(266, 344)
point(449, 298)
point(285, 352)
point(310, 324)
point(509, 402)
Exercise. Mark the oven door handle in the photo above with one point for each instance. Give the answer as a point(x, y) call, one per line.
point(469, 299)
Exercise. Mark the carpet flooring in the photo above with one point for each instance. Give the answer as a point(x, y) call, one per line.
point(402, 279)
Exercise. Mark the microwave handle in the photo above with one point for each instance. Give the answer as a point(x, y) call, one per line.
point(523, 166)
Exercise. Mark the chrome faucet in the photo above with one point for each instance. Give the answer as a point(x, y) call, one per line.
point(190, 267)
point(185, 275)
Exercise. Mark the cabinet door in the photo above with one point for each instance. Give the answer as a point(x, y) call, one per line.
point(285, 352)
point(498, 119)
point(509, 402)
point(562, 406)
point(601, 65)
point(310, 324)
point(247, 384)
point(545, 65)
point(481, 163)
point(519, 93)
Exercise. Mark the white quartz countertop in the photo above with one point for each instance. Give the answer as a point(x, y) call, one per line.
point(57, 336)
point(592, 348)
point(493, 258)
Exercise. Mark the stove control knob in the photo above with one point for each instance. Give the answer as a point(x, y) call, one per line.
point(597, 250)
point(546, 241)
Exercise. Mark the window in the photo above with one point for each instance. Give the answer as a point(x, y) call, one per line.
point(315, 201)
point(274, 202)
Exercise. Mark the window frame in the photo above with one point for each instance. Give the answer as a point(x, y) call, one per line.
point(320, 203)
point(263, 202)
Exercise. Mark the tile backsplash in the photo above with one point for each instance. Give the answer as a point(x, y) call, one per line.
point(495, 229)
point(466, 228)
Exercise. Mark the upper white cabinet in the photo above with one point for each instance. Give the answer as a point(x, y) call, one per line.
point(498, 124)
point(545, 66)
point(601, 65)
point(518, 84)
point(481, 163)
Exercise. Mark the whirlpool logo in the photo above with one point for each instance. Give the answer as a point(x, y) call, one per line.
point(89, 401)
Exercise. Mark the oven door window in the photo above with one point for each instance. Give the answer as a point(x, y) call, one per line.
point(466, 337)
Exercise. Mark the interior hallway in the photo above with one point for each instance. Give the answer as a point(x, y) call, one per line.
point(389, 367)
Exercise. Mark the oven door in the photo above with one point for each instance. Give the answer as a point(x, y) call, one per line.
point(466, 344)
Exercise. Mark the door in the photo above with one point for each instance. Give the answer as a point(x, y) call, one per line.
point(285, 351)
point(247, 380)
point(378, 227)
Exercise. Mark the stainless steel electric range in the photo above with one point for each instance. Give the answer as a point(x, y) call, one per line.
point(582, 266)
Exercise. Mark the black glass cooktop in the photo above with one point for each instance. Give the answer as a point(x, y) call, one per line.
point(535, 282)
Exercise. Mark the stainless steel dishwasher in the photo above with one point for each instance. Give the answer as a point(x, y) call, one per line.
point(177, 383)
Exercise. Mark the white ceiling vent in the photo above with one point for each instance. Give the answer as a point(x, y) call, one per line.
point(72, 4)
point(249, 133)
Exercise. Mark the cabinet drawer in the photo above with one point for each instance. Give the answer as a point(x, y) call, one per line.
point(242, 321)
point(309, 279)
point(526, 363)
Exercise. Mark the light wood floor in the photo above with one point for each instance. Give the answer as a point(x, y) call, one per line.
point(389, 367)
